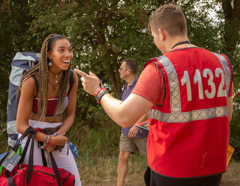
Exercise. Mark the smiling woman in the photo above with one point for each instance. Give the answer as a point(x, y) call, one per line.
point(47, 100)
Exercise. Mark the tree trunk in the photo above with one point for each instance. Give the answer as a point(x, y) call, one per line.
point(232, 26)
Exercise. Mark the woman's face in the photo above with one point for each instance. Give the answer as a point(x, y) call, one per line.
point(61, 55)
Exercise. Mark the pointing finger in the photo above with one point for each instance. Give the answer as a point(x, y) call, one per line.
point(81, 73)
point(92, 74)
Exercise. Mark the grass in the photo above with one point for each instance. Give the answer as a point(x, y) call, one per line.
point(98, 149)
point(103, 170)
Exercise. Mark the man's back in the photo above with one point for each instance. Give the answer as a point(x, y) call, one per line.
point(192, 124)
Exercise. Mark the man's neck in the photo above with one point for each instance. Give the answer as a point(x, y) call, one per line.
point(130, 79)
point(175, 40)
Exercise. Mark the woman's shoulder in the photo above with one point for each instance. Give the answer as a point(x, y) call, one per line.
point(29, 81)
point(29, 84)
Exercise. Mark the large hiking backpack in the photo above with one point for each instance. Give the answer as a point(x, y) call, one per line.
point(22, 62)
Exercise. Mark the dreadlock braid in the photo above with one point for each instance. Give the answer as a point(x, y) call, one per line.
point(43, 79)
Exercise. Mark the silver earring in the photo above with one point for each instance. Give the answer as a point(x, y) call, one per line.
point(50, 63)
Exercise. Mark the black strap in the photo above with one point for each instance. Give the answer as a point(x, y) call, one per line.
point(69, 174)
point(11, 182)
point(71, 81)
point(36, 81)
point(181, 43)
point(30, 161)
point(25, 148)
point(43, 157)
point(55, 169)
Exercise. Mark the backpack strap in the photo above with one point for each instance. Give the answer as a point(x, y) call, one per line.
point(36, 81)
point(71, 81)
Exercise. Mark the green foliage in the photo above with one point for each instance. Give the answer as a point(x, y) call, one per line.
point(235, 123)
point(99, 137)
point(3, 138)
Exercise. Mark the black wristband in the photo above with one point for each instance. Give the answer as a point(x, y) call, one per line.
point(100, 95)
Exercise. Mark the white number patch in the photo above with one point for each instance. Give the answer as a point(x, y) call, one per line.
point(209, 93)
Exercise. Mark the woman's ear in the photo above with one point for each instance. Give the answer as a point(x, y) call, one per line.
point(49, 55)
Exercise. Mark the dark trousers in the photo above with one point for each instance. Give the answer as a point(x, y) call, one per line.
point(153, 179)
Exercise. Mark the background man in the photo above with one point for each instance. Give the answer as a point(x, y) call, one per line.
point(189, 93)
point(132, 138)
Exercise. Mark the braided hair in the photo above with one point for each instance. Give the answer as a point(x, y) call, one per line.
point(42, 68)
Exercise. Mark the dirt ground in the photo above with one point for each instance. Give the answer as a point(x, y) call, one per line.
point(230, 178)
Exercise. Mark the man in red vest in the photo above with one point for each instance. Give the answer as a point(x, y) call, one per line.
point(187, 94)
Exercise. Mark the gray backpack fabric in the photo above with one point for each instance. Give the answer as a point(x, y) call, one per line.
point(22, 62)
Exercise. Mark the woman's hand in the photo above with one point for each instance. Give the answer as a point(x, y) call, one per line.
point(60, 140)
point(49, 148)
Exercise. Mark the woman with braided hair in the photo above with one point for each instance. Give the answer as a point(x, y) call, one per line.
point(47, 100)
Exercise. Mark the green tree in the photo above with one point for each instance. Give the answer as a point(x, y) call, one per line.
point(14, 36)
point(231, 46)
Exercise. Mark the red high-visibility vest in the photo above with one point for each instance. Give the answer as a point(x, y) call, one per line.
point(189, 133)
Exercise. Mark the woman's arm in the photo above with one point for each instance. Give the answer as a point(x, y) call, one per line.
point(25, 105)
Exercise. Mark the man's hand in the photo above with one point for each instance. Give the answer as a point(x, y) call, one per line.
point(90, 82)
point(133, 132)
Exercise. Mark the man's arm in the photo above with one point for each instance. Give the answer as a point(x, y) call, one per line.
point(128, 112)
point(124, 113)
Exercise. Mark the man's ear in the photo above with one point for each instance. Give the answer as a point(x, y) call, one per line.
point(128, 71)
point(162, 34)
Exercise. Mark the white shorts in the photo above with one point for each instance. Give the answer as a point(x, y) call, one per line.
point(64, 158)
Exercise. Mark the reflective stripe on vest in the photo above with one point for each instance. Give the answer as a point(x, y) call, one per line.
point(176, 114)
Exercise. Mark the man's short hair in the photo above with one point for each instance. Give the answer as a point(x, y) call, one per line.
point(170, 18)
point(132, 64)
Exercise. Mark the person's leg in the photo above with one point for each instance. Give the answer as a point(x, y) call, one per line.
point(65, 160)
point(122, 167)
point(147, 176)
point(141, 144)
point(127, 147)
